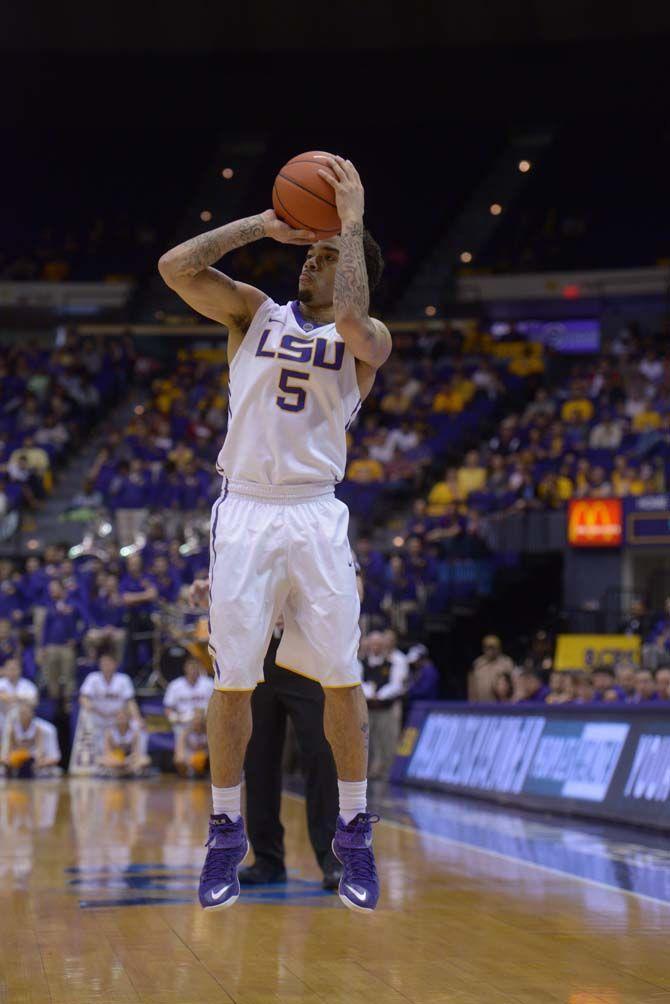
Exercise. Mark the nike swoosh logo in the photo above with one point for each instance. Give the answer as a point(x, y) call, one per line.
point(219, 894)
point(360, 896)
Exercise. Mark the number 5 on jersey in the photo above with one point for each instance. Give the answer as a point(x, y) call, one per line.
point(295, 396)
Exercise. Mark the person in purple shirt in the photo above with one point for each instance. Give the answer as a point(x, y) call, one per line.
point(420, 566)
point(179, 565)
point(194, 487)
point(419, 522)
point(33, 584)
point(106, 614)
point(400, 596)
point(424, 680)
point(168, 488)
point(179, 422)
point(137, 590)
point(166, 582)
point(603, 680)
point(645, 687)
point(60, 633)
point(372, 562)
point(11, 606)
point(156, 542)
point(139, 595)
point(531, 689)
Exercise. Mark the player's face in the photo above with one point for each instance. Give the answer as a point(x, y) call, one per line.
point(317, 278)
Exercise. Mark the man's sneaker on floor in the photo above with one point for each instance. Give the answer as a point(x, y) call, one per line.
point(227, 848)
point(352, 846)
point(262, 873)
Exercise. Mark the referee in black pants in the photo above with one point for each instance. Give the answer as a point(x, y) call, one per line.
point(287, 695)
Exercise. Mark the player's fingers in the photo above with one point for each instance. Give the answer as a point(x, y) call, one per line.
point(339, 167)
point(333, 163)
point(305, 236)
point(330, 178)
point(354, 171)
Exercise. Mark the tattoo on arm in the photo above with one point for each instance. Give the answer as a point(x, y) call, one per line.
point(351, 294)
point(196, 254)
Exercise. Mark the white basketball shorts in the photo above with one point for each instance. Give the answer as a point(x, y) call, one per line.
point(289, 554)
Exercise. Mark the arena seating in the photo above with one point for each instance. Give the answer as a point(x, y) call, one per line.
point(49, 400)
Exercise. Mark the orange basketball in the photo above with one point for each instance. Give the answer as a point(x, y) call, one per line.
point(18, 757)
point(303, 199)
point(199, 761)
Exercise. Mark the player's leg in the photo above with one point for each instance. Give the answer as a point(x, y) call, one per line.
point(263, 778)
point(304, 702)
point(246, 591)
point(322, 634)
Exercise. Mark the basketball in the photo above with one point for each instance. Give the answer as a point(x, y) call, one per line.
point(303, 199)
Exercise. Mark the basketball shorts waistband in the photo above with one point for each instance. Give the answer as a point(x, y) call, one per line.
point(278, 494)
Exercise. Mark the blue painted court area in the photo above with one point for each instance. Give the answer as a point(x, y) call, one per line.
point(626, 858)
point(601, 854)
point(160, 885)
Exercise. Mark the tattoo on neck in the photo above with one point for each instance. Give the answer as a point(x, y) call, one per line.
point(351, 293)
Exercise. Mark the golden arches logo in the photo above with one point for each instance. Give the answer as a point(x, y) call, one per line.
point(595, 523)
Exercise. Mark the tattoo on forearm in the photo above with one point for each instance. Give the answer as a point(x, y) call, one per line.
point(351, 293)
point(196, 254)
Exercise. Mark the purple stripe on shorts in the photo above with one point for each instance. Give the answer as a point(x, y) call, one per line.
point(211, 571)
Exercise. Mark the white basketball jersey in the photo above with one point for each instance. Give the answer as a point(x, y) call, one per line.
point(293, 393)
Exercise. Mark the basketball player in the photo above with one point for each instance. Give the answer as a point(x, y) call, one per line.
point(298, 374)
point(30, 745)
point(124, 747)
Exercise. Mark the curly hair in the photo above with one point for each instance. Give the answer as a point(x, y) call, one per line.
point(374, 260)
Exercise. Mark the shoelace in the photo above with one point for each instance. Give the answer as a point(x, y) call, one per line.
point(361, 865)
point(360, 860)
point(218, 865)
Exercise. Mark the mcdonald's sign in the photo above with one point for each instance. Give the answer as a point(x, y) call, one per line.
point(595, 523)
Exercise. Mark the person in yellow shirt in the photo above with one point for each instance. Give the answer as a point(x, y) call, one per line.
point(555, 490)
point(577, 411)
point(453, 396)
point(471, 477)
point(528, 363)
point(583, 478)
point(646, 421)
point(620, 477)
point(365, 470)
point(443, 494)
point(395, 402)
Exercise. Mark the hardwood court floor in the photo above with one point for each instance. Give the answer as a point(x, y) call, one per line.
point(97, 904)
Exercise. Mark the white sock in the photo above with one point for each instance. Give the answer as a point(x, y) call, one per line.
point(353, 798)
point(228, 800)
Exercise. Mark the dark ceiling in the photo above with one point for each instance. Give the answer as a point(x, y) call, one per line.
point(252, 25)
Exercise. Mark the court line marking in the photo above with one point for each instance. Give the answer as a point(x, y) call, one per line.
point(506, 857)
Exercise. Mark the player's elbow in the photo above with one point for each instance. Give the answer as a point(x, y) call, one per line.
point(167, 268)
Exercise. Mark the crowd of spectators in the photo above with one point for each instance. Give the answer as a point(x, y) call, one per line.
point(49, 398)
point(495, 678)
point(603, 432)
point(106, 248)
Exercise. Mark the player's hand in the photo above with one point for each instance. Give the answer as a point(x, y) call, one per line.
point(282, 232)
point(347, 185)
point(198, 593)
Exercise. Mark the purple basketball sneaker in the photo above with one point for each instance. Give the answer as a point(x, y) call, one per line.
point(219, 885)
point(352, 846)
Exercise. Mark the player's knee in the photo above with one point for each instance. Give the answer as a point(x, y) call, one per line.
point(229, 702)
